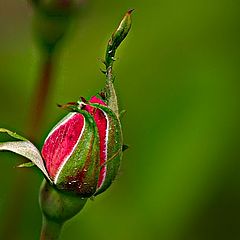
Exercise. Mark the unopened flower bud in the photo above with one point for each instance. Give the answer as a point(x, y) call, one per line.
point(82, 153)
point(56, 7)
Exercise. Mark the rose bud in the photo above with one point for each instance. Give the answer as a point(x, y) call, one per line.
point(110, 139)
point(82, 152)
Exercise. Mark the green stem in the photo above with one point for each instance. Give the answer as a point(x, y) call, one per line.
point(117, 37)
point(50, 230)
point(111, 95)
point(57, 207)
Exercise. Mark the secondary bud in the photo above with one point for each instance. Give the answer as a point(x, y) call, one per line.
point(52, 20)
point(54, 7)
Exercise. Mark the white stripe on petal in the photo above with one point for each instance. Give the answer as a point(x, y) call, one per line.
point(59, 124)
point(106, 148)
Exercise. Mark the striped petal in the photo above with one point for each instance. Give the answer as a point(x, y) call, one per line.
point(71, 153)
point(61, 142)
point(111, 141)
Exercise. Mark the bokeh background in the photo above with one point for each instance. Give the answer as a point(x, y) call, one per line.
point(177, 77)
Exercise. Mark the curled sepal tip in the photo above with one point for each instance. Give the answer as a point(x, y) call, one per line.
point(117, 37)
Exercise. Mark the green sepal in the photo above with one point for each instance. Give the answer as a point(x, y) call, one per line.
point(24, 148)
point(114, 147)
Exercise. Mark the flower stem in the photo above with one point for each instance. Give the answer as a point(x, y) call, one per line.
point(50, 229)
point(57, 207)
point(117, 37)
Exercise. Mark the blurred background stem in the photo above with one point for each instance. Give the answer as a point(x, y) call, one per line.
point(41, 95)
point(33, 129)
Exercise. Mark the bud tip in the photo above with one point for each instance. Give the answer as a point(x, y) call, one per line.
point(129, 12)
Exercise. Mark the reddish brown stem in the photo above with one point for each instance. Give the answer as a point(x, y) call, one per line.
point(40, 98)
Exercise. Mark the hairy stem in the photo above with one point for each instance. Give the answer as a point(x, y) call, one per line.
point(115, 40)
point(111, 95)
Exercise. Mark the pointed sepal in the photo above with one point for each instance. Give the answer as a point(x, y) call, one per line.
point(110, 141)
point(113, 144)
point(24, 148)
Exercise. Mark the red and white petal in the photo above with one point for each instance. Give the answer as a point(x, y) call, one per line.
point(61, 143)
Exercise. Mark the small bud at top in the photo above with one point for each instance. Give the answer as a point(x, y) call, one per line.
point(117, 37)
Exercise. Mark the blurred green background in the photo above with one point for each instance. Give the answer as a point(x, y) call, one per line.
point(178, 79)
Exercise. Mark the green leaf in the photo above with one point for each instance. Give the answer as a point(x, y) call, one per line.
point(24, 148)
